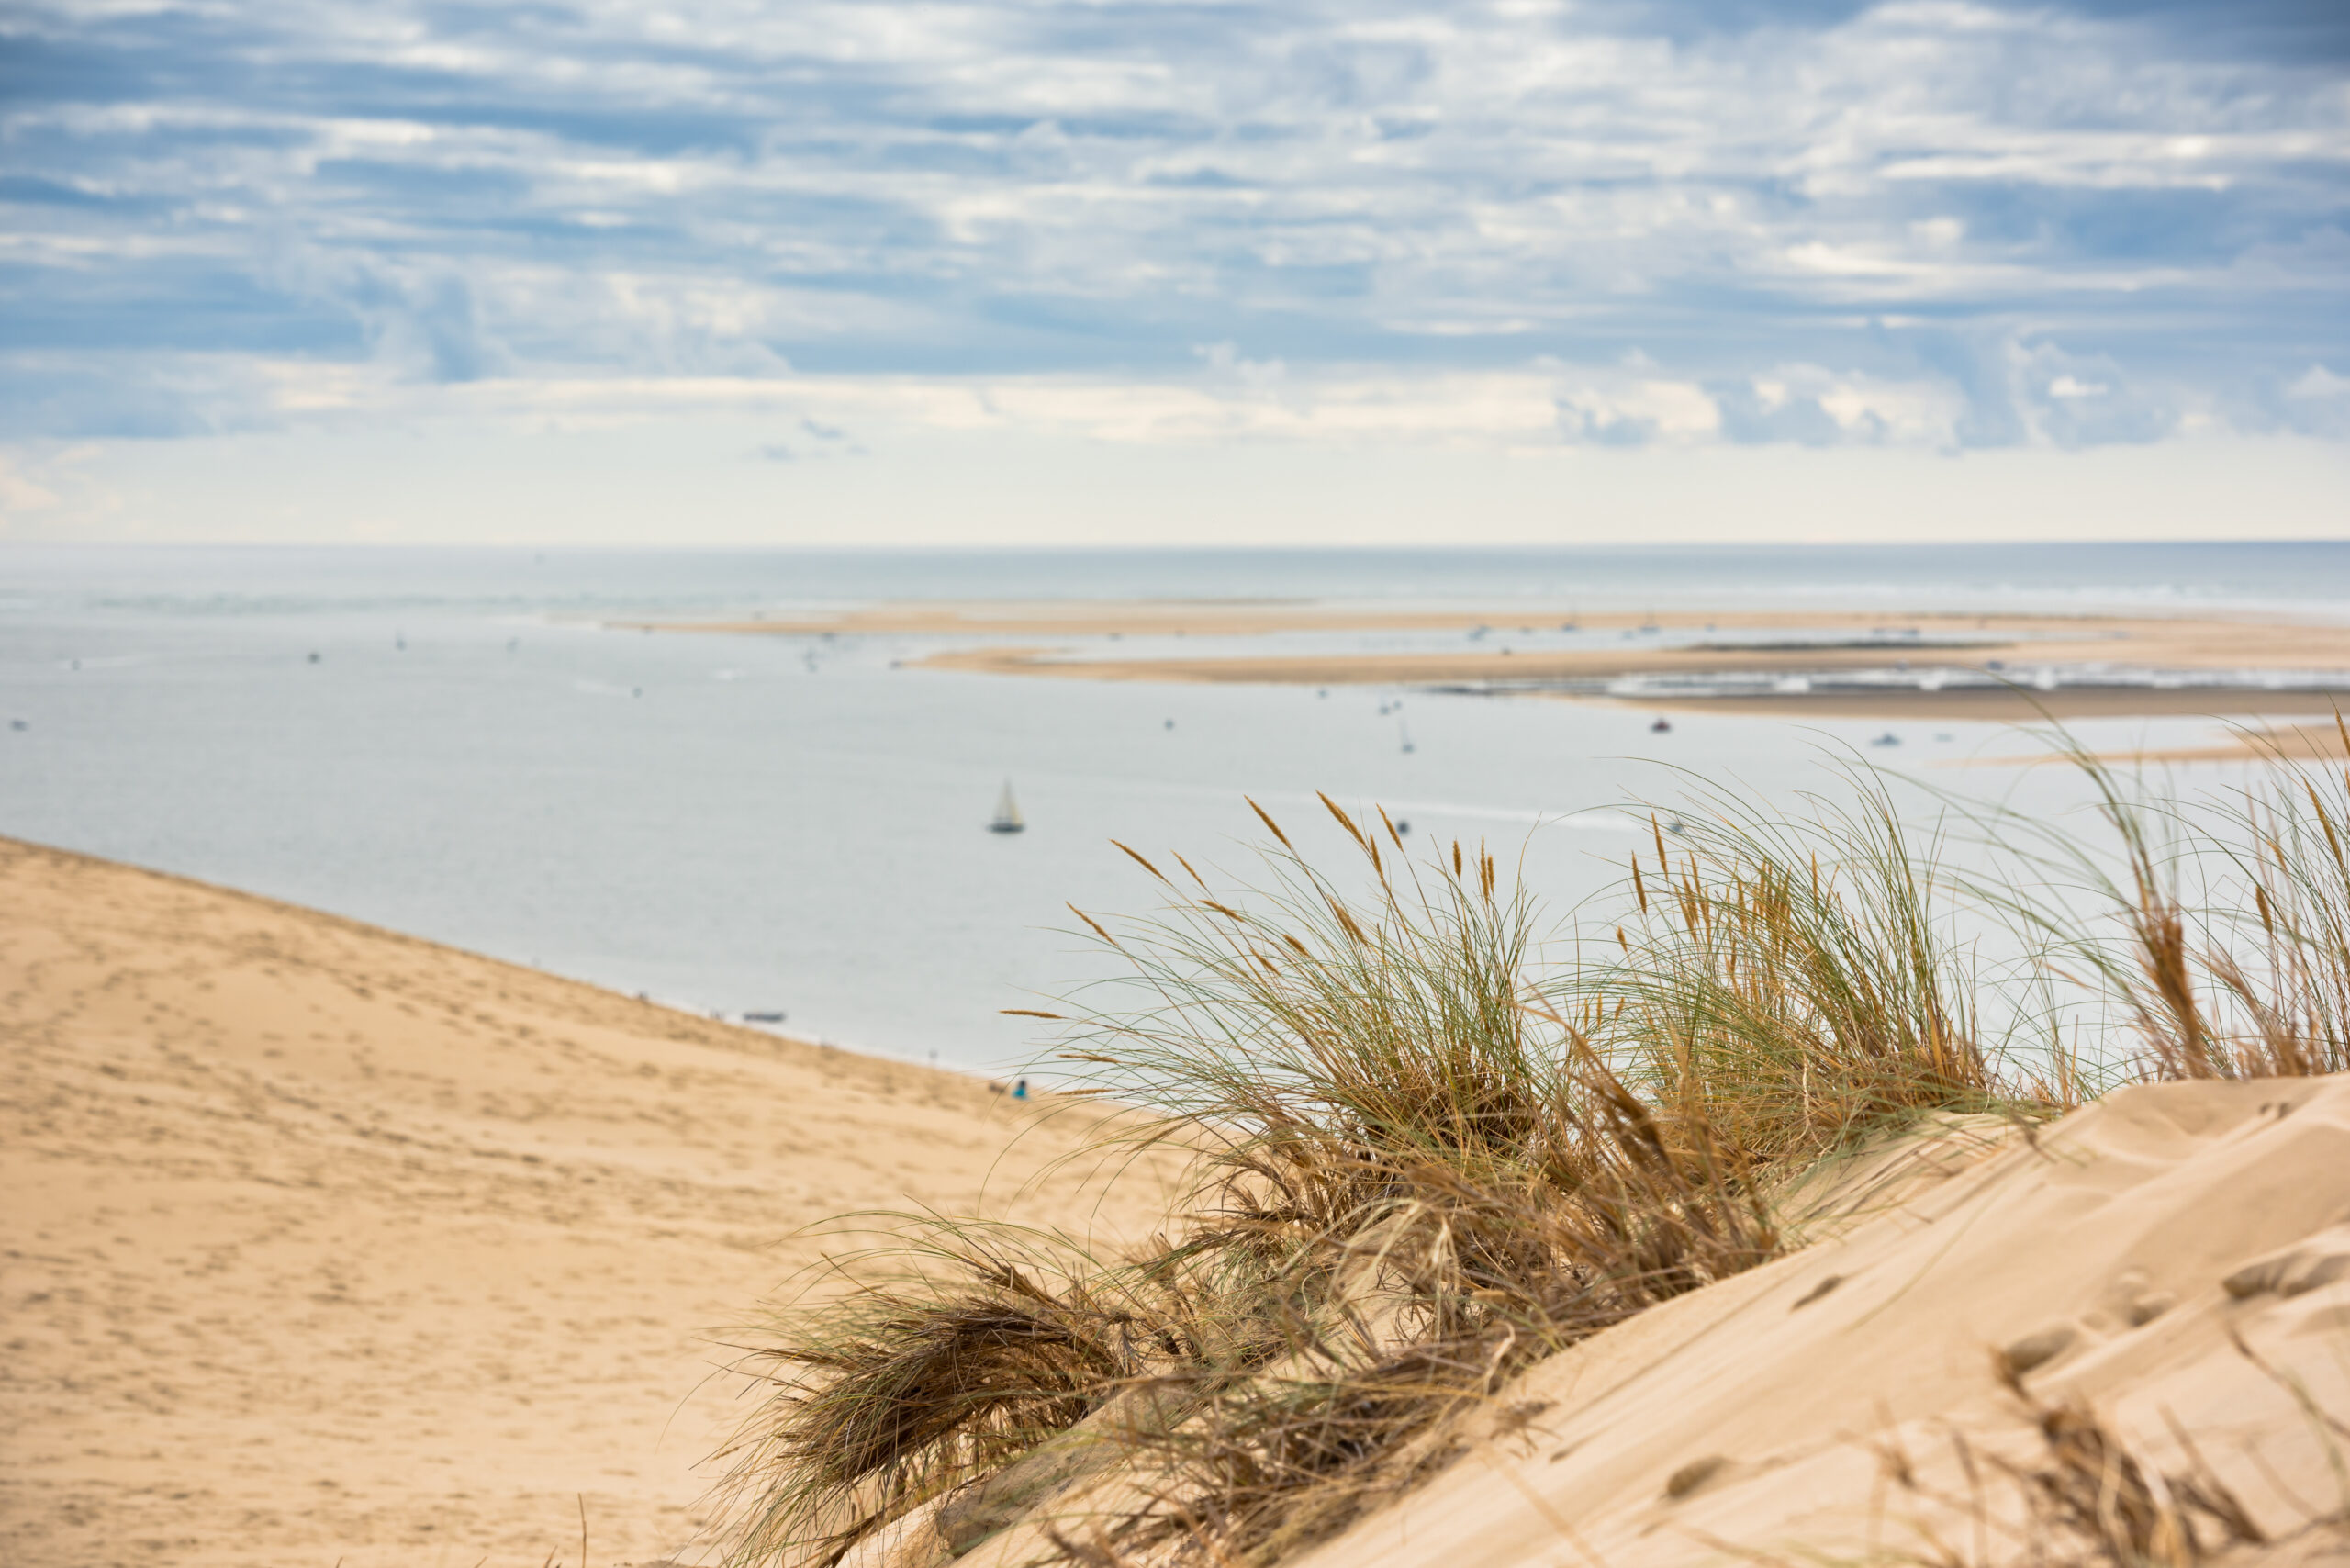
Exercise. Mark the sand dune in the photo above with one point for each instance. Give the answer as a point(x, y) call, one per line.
point(2116, 1256)
point(326, 1244)
point(2174, 1260)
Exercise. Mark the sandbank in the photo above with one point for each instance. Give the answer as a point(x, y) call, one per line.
point(2106, 664)
point(2328, 743)
point(326, 1244)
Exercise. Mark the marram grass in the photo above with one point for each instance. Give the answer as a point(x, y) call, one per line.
point(1431, 1150)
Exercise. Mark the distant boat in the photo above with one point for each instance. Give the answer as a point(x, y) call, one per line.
point(1007, 817)
point(1407, 739)
point(1663, 726)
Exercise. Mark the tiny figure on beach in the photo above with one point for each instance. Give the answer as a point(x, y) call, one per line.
point(1020, 1090)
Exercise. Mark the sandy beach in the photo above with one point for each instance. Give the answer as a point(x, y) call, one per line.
point(326, 1244)
point(2196, 657)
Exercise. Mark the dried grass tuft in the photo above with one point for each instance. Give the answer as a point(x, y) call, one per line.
point(1432, 1152)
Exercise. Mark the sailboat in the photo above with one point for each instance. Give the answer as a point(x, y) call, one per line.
point(1007, 813)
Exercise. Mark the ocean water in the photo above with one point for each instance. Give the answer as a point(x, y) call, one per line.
point(792, 824)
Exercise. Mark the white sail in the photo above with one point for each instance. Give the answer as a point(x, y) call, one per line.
point(1007, 812)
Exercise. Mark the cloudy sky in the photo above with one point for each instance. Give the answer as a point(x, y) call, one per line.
point(1124, 270)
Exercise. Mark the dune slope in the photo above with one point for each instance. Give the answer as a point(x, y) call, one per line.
point(323, 1243)
point(2115, 1259)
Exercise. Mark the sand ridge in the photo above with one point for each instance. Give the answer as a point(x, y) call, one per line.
point(2173, 1259)
point(324, 1243)
point(2119, 1255)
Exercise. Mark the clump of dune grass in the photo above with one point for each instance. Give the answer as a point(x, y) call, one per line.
point(1436, 1142)
point(1463, 1165)
point(2216, 931)
point(955, 1348)
point(1789, 979)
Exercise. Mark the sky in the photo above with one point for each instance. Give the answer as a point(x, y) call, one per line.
point(1115, 271)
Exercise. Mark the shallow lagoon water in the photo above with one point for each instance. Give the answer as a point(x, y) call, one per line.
point(797, 825)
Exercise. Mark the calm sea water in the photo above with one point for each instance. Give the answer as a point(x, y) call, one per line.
point(773, 824)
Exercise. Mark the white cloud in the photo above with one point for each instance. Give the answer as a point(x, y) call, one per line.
point(1929, 225)
point(2317, 382)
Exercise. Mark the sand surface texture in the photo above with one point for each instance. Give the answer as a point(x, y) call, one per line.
point(2176, 1259)
point(2116, 1258)
point(1732, 643)
point(323, 1244)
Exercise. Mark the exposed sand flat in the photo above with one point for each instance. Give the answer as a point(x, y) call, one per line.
point(2176, 646)
point(324, 1243)
point(2293, 743)
point(2001, 706)
point(2116, 1256)
point(1737, 645)
point(2214, 639)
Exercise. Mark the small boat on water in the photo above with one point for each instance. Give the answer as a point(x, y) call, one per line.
point(1663, 726)
point(1007, 818)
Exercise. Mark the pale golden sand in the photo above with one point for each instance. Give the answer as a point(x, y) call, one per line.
point(2184, 644)
point(324, 1243)
point(2115, 1253)
point(2177, 1258)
